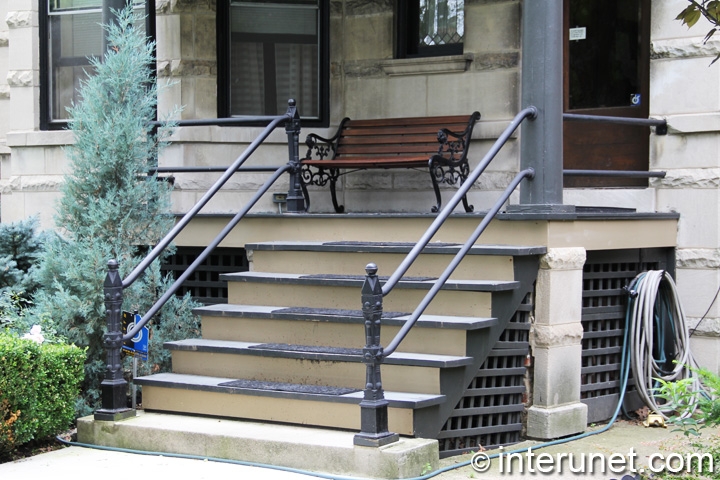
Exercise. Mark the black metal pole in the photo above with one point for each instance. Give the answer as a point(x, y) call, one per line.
point(114, 386)
point(295, 198)
point(373, 408)
point(541, 144)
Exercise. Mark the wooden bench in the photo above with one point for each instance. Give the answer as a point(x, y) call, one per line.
point(439, 144)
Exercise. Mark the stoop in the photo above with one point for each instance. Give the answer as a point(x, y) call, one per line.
point(303, 448)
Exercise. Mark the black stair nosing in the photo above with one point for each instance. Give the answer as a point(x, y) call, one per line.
point(245, 348)
point(276, 313)
point(397, 247)
point(211, 384)
point(357, 282)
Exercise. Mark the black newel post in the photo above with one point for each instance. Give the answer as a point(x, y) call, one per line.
point(295, 198)
point(114, 386)
point(373, 407)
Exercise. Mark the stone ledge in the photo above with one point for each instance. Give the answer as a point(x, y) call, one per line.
point(684, 48)
point(426, 65)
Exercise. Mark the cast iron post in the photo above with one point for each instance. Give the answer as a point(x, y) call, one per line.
point(542, 86)
point(373, 407)
point(295, 198)
point(114, 386)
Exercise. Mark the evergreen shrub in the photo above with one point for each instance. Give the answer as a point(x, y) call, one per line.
point(39, 384)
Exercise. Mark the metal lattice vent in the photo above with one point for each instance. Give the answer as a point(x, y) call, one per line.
point(491, 411)
point(603, 319)
point(204, 285)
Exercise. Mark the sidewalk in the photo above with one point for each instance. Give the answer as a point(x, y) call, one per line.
point(86, 463)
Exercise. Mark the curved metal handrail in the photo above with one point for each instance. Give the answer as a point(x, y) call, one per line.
point(163, 244)
point(400, 336)
point(529, 112)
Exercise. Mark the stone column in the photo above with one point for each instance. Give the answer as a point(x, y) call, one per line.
point(556, 345)
point(23, 64)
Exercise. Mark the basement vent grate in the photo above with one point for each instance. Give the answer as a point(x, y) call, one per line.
point(490, 413)
point(204, 285)
point(603, 319)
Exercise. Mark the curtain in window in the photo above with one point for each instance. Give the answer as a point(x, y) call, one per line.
point(442, 22)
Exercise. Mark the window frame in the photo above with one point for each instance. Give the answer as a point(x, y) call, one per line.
point(46, 122)
point(407, 16)
point(223, 31)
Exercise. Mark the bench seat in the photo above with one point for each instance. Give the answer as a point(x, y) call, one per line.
point(439, 144)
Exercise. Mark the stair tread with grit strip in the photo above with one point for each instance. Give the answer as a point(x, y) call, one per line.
point(395, 247)
point(341, 316)
point(281, 390)
point(420, 283)
point(305, 352)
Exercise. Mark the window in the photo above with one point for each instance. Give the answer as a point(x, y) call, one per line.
point(429, 28)
point(269, 52)
point(73, 33)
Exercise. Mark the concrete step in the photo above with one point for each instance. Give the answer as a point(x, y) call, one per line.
point(404, 372)
point(457, 297)
point(434, 334)
point(314, 449)
point(278, 401)
point(483, 262)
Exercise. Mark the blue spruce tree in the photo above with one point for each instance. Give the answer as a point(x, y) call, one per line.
point(111, 208)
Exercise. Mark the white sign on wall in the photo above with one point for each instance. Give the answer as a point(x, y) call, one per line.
point(578, 33)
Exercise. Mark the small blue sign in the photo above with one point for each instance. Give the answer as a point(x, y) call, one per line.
point(635, 99)
point(138, 345)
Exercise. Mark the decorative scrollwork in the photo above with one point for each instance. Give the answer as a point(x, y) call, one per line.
point(452, 150)
point(318, 149)
point(320, 178)
point(450, 173)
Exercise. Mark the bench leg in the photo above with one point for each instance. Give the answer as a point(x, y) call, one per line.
point(436, 188)
point(333, 193)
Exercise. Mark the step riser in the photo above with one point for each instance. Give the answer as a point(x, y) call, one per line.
point(447, 302)
point(348, 335)
point(401, 378)
point(302, 412)
point(476, 267)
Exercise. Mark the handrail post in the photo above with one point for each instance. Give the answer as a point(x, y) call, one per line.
point(373, 408)
point(113, 387)
point(295, 198)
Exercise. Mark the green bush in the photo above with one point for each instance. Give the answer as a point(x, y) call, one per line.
point(39, 384)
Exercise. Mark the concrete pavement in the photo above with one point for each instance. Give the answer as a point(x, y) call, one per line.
point(629, 441)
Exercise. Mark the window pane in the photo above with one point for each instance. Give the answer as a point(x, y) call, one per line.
point(604, 68)
point(442, 22)
point(274, 56)
point(73, 38)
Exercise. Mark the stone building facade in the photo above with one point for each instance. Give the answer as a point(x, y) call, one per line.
point(365, 79)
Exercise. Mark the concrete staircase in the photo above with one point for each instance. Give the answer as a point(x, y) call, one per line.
point(287, 346)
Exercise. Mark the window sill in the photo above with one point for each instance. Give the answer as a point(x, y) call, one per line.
point(427, 65)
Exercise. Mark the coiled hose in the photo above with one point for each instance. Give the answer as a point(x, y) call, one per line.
point(659, 339)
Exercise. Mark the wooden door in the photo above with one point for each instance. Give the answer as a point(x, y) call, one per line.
point(606, 72)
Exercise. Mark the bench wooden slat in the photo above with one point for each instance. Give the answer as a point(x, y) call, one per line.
point(390, 140)
point(373, 150)
point(374, 162)
point(440, 120)
point(430, 130)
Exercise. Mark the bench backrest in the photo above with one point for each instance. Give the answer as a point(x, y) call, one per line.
point(412, 136)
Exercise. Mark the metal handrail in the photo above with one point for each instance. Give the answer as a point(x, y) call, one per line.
point(400, 336)
point(207, 251)
point(163, 244)
point(530, 112)
point(373, 407)
point(113, 385)
point(659, 123)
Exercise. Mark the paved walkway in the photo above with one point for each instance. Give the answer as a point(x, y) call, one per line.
point(624, 439)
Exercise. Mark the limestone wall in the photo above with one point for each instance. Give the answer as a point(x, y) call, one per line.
point(684, 88)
